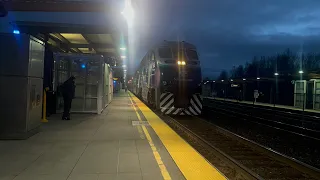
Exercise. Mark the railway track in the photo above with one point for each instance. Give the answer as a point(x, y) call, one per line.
point(245, 159)
point(303, 125)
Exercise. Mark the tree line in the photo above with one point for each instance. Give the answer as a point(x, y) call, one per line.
point(286, 64)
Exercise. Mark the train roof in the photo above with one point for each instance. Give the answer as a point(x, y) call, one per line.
point(175, 44)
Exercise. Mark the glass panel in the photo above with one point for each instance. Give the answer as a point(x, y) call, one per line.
point(91, 90)
point(91, 105)
point(63, 76)
point(79, 91)
point(165, 53)
point(77, 104)
point(192, 54)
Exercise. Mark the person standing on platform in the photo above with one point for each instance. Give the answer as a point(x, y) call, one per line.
point(68, 93)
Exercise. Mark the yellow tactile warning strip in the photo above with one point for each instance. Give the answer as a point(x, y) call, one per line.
point(163, 169)
point(190, 162)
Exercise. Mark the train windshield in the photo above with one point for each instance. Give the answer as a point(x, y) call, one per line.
point(165, 53)
point(192, 54)
point(169, 53)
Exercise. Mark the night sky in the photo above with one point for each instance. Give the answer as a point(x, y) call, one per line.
point(228, 33)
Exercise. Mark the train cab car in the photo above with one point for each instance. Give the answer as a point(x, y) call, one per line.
point(173, 68)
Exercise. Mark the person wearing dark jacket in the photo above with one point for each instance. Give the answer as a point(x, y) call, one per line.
point(68, 93)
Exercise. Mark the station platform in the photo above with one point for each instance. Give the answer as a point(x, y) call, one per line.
point(127, 141)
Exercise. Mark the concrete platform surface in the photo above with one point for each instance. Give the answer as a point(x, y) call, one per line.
point(88, 147)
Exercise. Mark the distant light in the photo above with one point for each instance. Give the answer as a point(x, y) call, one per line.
point(258, 78)
point(276, 74)
point(16, 31)
point(222, 80)
point(213, 81)
point(124, 66)
point(183, 63)
point(300, 72)
point(122, 48)
point(244, 79)
point(128, 12)
point(123, 57)
point(83, 66)
point(231, 79)
point(179, 62)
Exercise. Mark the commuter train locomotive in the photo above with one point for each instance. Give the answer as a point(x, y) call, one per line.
point(170, 75)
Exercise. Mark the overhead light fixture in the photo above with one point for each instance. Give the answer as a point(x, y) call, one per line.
point(300, 72)
point(124, 66)
point(244, 79)
point(231, 80)
point(222, 80)
point(123, 48)
point(123, 57)
point(258, 78)
point(276, 74)
point(16, 31)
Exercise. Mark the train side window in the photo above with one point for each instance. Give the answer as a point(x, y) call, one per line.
point(152, 56)
point(152, 62)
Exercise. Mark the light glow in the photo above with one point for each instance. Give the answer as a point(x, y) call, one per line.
point(128, 12)
point(16, 31)
point(183, 63)
point(300, 72)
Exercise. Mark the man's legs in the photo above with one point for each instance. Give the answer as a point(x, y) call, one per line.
point(66, 108)
point(69, 107)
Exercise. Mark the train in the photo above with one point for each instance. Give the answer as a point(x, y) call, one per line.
point(169, 78)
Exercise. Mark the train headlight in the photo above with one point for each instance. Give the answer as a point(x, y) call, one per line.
point(181, 63)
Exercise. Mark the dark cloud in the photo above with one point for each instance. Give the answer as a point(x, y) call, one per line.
point(230, 32)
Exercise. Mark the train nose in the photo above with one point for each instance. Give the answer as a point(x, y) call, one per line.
point(181, 101)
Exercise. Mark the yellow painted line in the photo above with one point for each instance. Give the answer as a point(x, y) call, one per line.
point(163, 169)
point(190, 162)
point(140, 132)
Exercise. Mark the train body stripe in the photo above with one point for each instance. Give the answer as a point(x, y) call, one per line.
point(167, 101)
point(167, 105)
point(197, 101)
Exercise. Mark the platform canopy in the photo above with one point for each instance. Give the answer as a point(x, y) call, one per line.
point(78, 38)
point(74, 26)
